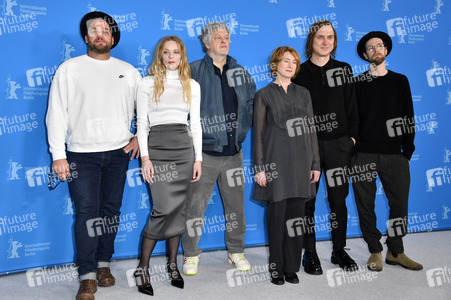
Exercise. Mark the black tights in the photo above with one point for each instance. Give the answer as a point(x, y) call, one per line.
point(148, 245)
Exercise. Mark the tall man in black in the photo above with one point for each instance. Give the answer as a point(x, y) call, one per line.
point(336, 120)
point(386, 134)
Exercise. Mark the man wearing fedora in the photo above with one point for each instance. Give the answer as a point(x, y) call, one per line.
point(90, 111)
point(385, 141)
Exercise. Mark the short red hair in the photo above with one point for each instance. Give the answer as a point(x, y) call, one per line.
point(277, 56)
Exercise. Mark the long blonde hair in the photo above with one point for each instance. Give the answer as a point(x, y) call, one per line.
point(158, 70)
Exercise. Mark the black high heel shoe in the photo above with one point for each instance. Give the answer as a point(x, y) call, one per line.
point(142, 278)
point(174, 275)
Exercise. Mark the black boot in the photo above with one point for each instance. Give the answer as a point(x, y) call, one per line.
point(142, 278)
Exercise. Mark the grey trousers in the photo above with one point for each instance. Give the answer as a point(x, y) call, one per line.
point(394, 172)
point(220, 169)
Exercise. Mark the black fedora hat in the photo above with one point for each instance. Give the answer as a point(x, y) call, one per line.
point(107, 18)
point(373, 34)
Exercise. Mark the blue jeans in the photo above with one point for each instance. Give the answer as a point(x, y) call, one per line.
point(97, 194)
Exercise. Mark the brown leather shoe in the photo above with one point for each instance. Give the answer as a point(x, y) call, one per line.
point(87, 289)
point(104, 277)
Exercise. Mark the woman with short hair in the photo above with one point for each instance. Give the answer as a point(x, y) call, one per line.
point(285, 140)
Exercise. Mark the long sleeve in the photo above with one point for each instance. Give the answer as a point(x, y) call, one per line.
point(57, 116)
point(143, 98)
point(259, 130)
point(251, 90)
point(350, 101)
point(316, 159)
point(407, 144)
point(195, 125)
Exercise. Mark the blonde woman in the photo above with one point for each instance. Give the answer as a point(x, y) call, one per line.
point(171, 153)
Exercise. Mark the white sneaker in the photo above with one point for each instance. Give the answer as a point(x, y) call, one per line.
point(190, 265)
point(239, 261)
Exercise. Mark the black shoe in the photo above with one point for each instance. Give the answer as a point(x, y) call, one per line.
point(311, 263)
point(142, 278)
point(174, 275)
point(277, 280)
point(291, 277)
point(341, 258)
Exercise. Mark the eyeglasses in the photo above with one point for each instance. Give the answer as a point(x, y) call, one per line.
point(222, 38)
point(374, 48)
point(54, 181)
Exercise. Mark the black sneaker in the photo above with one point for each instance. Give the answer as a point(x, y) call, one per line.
point(311, 263)
point(341, 258)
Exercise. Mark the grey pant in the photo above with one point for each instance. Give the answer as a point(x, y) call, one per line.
point(393, 170)
point(215, 168)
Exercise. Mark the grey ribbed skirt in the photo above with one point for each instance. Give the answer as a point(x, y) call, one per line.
point(172, 154)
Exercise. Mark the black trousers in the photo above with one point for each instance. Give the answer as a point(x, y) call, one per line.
point(394, 173)
point(334, 154)
point(285, 221)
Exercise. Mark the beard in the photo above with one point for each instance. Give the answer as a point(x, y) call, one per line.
point(99, 49)
point(377, 60)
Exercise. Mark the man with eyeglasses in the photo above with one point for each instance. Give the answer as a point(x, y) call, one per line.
point(90, 111)
point(385, 144)
point(227, 98)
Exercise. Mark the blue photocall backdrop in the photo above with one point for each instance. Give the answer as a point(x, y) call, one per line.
point(36, 225)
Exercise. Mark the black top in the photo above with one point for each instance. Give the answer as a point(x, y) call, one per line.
point(387, 124)
point(230, 103)
point(333, 98)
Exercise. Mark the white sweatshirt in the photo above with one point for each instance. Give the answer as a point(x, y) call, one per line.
point(91, 105)
point(171, 109)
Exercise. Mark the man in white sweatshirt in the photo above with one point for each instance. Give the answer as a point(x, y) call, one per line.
point(91, 107)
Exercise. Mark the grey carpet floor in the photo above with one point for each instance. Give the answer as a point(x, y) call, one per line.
point(219, 280)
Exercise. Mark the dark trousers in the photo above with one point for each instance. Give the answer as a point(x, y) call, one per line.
point(285, 221)
point(334, 153)
point(393, 171)
point(97, 194)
